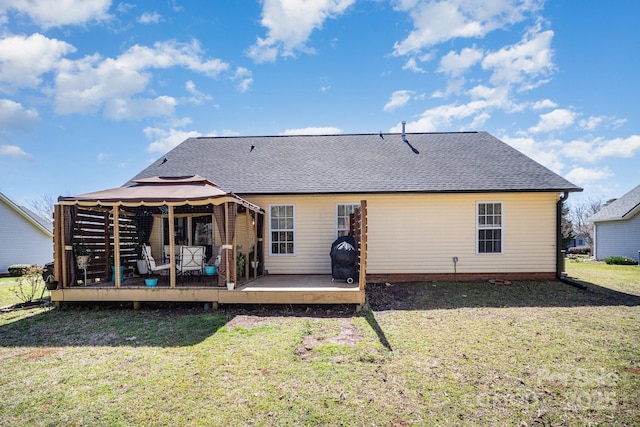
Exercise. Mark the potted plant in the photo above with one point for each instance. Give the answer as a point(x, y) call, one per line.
point(82, 255)
point(240, 262)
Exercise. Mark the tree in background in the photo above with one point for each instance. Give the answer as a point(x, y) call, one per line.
point(579, 217)
point(43, 206)
point(566, 226)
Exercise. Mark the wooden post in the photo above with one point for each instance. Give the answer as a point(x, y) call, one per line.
point(363, 245)
point(247, 261)
point(172, 248)
point(63, 247)
point(116, 244)
point(226, 239)
point(107, 246)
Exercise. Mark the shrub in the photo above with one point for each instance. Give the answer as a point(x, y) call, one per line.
point(17, 270)
point(620, 260)
point(579, 250)
point(28, 285)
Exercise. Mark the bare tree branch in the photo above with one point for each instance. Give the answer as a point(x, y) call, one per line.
point(43, 206)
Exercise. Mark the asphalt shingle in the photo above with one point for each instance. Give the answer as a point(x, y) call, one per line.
point(359, 163)
point(619, 208)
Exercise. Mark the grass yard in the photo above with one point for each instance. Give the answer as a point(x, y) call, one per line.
point(533, 353)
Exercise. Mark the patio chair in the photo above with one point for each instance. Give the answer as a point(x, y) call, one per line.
point(151, 263)
point(191, 260)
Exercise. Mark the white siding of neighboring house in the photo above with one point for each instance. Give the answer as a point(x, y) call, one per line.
point(21, 242)
point(618, 238)
point(421, 233)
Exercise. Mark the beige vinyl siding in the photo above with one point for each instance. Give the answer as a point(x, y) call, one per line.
point(421, 233)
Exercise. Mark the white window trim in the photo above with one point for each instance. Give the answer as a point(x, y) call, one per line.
point(295, 234)
point(343, 204)
point(502, 227)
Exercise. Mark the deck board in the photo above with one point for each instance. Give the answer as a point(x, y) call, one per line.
point(270, 289)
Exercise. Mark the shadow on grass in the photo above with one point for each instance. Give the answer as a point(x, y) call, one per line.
point(155, 324)
point(179, 325)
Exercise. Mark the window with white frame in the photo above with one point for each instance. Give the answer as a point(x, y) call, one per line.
point(342, 218)
point(489, 227)
point(282, 229)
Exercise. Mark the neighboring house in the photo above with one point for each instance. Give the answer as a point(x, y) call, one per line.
point(25, 237)
point(578, 241)
point(617, 227)
point(438, 204)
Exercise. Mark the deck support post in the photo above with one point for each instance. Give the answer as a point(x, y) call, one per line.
point(172, 248)
point(136, 305)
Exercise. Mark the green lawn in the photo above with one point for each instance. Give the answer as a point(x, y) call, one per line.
point(533, 353)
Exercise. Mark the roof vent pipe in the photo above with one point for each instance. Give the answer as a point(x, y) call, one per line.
point(404, 135)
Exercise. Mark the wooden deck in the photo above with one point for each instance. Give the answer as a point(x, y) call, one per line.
point(270, 289)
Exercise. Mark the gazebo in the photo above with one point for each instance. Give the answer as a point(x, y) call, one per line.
point(163, 212)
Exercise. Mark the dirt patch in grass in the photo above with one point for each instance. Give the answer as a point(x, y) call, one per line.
point(247, 322)
point(343, 334)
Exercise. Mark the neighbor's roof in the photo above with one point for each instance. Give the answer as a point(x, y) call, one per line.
point(158, 191)
point(43, 224)
point(622, 208)
point(360, 163)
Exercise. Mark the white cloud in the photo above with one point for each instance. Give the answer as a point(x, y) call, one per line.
point(581, 176)
point(91, 83)
point(67, 12)
point(150, 18)
point(13, 116)
point(544, 152)
point(196, 97)
point(601, 148)
point(133, 108)
point(166, 139)
point(455, 64)
point(440, 118)
point(439, 21)
point(24, 59)
point(412, 65)
point(618, 147)
point(289, 25)
point(15, 152)
point(557, 119)
point(399, 98)
point(592, 122)
point(522, 63)
point(244, 78)
point(328, 130)
point(102, 157)
point(544, 104)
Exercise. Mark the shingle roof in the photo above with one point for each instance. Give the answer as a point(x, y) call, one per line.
point(620, 208)
point(367, 163)
point(44, 224)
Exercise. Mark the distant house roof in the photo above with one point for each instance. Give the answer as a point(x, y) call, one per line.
point(622, 208)
point(359, 163)
point(43, 224)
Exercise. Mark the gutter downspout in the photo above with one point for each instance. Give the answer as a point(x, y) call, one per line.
point(560, 273)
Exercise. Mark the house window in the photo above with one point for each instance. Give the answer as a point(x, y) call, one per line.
point(282, 229)
point(489, 228)
point(342, 218)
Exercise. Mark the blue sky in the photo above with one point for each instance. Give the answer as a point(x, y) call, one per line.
point(92, 91)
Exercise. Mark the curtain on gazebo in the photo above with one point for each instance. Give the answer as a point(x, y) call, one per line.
point(70, 214)
point(225, 215)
